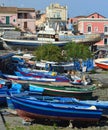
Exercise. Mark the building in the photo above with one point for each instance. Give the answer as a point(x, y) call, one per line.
point(8, 15)
point(57, 12)
point(56, 15)
point(26, 18)
point(22, 18)
point(94, 23)
point(40, 20)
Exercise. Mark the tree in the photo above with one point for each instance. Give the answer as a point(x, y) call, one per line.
point(49, 52)
point(77, 51)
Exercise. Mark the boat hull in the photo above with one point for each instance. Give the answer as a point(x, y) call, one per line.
point(78, 95)
point(31, 109)
point(102, 63)
point(66, 91)
point(28, 116)
point(102, 66)
point(56, 78)
point(28, 44)
point(31, 44)
point(59, 90)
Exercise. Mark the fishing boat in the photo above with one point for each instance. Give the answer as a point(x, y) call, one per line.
point(57, 88)
point(40, 74)
point(32, 79)
point(30, 108)
point(16, 88)
point(72, 78)
point(30, 71)
point(67, 91)
point(102, 63)
point(13, 40)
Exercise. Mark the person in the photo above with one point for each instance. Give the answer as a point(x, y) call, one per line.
point(100, 55)
point(84, 68)
point(50, 67)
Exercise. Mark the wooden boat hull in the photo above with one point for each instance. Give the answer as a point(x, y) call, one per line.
point(102, 63)
point(67, 91)
point(57, 90)
point(31, 116)
point(78, 95)
point(61, 90)
point(2, 100)
point(56, 78)
point(16, 88)
point(26, 78)
point(35, 79)
point(30, 109)
point(102, 66)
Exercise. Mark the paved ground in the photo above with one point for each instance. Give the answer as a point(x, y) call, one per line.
point(2, 122)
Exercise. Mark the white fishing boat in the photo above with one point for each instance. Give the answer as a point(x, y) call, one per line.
point(13, 39)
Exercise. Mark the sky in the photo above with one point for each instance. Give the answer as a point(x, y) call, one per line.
point(75, 7)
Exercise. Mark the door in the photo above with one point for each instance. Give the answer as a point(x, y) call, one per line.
point(25, 25)
point(7, 20)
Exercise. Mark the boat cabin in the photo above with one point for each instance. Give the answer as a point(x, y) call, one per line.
point(48, 34)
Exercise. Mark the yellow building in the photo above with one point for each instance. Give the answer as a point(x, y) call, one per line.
point(56, 11)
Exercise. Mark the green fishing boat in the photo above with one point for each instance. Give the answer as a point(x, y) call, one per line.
point(67, 90)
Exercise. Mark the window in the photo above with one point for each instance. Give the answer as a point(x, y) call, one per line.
point(89, 29)
point(58, 15)
point(20, 15)
point(105, 29)
point(105, 41)
point(14, 20)
point(25, 15)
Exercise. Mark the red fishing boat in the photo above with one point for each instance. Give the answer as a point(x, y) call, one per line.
point(102, 63)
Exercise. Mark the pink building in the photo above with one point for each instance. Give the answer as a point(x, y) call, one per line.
point(94, 23)
point(22, 18)
point(26, 18)
point(8, 15)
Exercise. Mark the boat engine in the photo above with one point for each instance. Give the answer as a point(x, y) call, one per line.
point(8, 84)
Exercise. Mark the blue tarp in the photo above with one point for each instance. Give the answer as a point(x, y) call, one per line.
point(88, 63)
point(70, 27)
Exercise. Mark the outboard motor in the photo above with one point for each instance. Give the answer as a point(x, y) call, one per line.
point(8, 84)
point(25, 87)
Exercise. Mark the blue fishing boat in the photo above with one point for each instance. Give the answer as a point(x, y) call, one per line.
point(54, 89)
point(28, 71)
point(16, 88)
point(33, 107)
point(38, 78)
point(27, 78)
point(47, 75)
